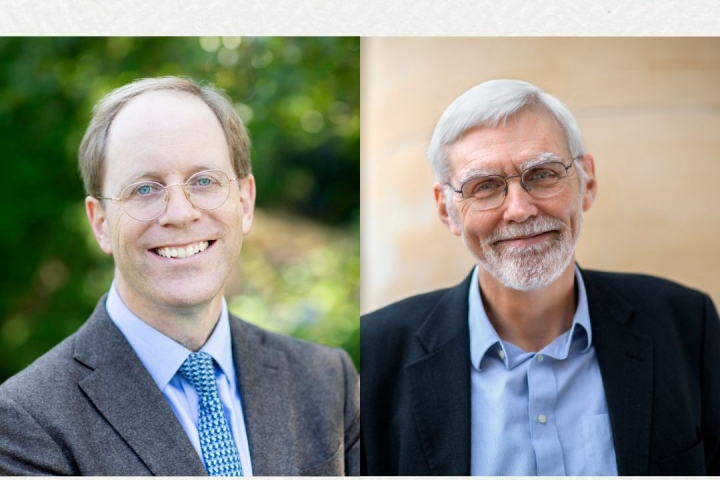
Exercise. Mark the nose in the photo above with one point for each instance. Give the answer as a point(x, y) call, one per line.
point(519, 204)
point(178, 210)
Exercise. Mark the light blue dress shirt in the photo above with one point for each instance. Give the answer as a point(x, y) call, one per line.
point(162, 357)
point(537, 413)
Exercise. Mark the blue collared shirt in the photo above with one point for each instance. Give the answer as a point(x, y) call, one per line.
point(163, 356)
point(537, 413)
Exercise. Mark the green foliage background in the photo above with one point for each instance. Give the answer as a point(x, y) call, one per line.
point(300, 100)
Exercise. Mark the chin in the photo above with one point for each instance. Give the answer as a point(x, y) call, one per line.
point(176, 291)
point(171, 288)
point(190, 295)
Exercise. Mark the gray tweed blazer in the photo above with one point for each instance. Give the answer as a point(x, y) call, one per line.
point(89, 407)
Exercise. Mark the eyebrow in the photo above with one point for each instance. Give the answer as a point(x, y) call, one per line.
point(539, 159)
point(543, 157)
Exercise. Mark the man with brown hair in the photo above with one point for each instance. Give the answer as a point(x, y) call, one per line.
point(162, 379)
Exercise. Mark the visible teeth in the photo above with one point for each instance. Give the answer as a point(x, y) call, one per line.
point(180, 252)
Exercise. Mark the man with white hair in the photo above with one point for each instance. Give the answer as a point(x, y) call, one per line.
point(533, 366)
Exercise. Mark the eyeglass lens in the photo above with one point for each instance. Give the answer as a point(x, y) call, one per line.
point(147, 200)
point(541, 181)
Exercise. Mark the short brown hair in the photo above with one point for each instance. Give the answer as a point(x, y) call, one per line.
point(91, 156)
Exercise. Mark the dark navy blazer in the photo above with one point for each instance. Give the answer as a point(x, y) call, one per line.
point(658, 347)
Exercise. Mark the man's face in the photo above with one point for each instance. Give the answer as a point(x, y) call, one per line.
point(166, 137)
point(526, 243)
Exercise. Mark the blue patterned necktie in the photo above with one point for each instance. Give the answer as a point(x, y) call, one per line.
point(217, 445)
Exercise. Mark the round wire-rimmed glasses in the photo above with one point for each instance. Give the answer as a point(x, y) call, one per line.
point(544, 180)
point(147, 200)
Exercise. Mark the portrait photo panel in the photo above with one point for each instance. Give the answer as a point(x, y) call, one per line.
point(648, 112)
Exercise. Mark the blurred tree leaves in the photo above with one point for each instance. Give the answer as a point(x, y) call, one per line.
point(300, 100)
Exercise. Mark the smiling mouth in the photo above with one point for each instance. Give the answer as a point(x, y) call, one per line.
point(182, 252)
point(526, 237)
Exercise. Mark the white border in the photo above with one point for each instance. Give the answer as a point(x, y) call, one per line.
point(361, 17)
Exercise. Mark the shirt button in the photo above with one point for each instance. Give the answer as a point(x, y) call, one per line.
point(501, 354)
point(542, 418)
point(539, 358)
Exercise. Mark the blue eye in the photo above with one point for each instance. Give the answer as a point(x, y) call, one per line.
point(206, 181)
point(544, 175)
point(483, 187)
point(487, 185)
point(145, 190)
point(541, 174)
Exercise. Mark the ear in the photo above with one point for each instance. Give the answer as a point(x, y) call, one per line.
point(588, 163)
point(443, 208)
point(247, 200)
point(98, 223)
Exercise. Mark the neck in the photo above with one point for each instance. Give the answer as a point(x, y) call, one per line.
point(530, 320)
point(189, 325)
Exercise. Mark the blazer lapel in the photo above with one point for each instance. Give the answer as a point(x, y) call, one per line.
point(626, 365)
point(265, 391)
point(440, 385)
point(125, 394)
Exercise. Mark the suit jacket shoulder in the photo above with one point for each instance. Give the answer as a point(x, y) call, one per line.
point(306, 357)
point(415, 364)
point(639, 287)
point(673, 316)
point(301, 403)
point(406, 313)
point(20, 431)
point(89, 407)
point(402, 321)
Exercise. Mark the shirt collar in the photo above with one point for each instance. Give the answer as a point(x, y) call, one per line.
point(483, 335)
point(161, 355)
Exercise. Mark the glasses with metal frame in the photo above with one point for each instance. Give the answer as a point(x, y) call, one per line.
point(145, 201)
point(544, 180)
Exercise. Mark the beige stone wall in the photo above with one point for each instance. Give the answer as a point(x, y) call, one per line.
point(649, 110)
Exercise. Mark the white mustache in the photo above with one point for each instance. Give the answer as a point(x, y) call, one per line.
point(532, 226)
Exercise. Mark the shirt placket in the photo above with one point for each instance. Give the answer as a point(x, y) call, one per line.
point(542, 395)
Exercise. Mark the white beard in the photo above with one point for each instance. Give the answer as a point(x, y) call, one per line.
point(532, 267)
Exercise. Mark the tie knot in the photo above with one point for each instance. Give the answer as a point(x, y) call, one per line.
point(199, 371)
